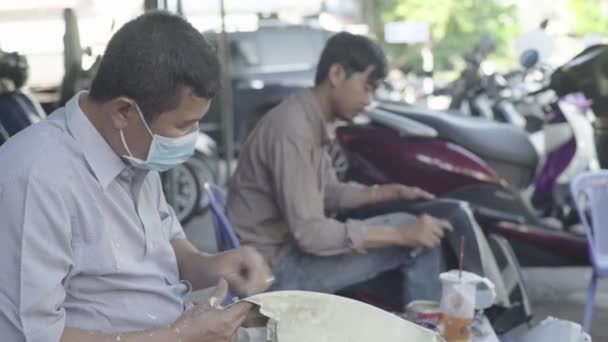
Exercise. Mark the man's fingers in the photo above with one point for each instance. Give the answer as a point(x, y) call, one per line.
point(445, 225)
point(220, 293)
point(262, 282)
point(235, 327)
point(432, 242)
point(424, 194)
point(236, 315)
point(241, 320)
point(436, 241)
point(438, 232)
point(238, 311)
point(198, 308)
point(258, 276)
point(255, 284)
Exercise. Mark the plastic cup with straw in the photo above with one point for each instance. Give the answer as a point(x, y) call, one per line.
point(461, 258)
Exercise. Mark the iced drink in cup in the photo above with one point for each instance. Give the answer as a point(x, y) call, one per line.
point(462, 293)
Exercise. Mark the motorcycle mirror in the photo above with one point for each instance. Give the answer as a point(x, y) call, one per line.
point(537, 40)
point(529, 58)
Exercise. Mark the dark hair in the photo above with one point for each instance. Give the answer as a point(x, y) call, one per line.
point(150, 58)
point(354, 53)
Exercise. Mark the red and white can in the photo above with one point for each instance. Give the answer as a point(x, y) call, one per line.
point(425, 313)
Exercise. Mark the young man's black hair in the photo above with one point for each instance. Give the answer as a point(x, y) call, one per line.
point(151, 58)
point(354, 53)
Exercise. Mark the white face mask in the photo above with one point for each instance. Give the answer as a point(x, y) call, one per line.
point(164, 153)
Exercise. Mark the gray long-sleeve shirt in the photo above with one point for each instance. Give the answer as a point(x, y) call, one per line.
point(84, 239)
point(285, 183)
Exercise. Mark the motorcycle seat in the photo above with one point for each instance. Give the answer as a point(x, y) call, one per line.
point(487, 139)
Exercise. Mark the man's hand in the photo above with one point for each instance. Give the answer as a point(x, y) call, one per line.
point(410, 193)
point(391, 192)
point(426, 232)
point(209, 322)
point(245, 270)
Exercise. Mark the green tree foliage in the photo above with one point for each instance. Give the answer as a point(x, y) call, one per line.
point(590, 16)
point(456, 26)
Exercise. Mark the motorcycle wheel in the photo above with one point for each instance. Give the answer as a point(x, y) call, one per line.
point(184, 186)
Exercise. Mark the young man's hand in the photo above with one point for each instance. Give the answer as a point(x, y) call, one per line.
point(410, 193)
point(209, 322)
point(245, 270)
point(426, 232)
point(391, 192)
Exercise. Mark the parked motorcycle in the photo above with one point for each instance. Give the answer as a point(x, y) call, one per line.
point(560, 130)
point(483, 162)
point(18, 109)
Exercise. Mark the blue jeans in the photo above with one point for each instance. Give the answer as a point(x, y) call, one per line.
point(329, 274)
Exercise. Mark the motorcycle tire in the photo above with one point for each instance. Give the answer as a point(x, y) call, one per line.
point(182, 191)
point(184, 186)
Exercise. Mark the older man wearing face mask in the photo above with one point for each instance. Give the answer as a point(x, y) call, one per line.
point(91, 251)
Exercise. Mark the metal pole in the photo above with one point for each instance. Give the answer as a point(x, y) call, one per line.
point(226, 94)
point(369, 15)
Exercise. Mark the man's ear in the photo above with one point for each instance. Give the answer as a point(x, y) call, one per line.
point(121, 110)
point(336, 75)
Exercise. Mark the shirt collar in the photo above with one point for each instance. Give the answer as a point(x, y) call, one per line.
point(322, 130)
point(103, 161)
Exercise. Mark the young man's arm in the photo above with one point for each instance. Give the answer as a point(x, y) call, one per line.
point(341, 196)
point(426, 232)
point(301, 203)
